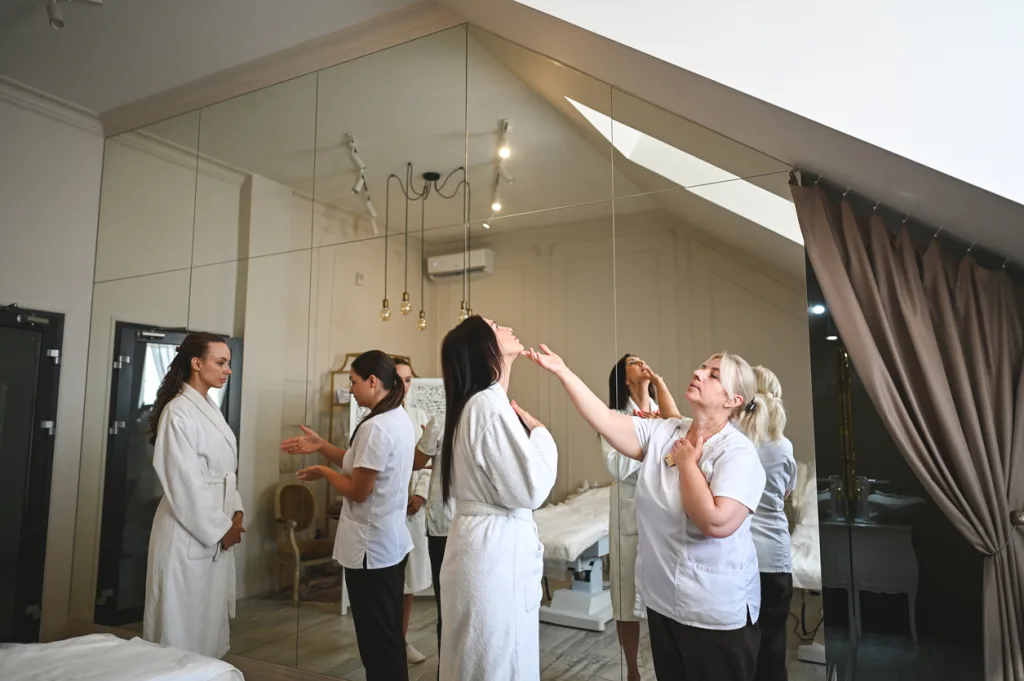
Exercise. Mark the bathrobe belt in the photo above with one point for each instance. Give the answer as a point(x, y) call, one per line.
point(466, 507)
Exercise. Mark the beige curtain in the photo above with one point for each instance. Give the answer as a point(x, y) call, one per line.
point(940, 349)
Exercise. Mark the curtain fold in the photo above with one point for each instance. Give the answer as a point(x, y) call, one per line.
point(939, 346)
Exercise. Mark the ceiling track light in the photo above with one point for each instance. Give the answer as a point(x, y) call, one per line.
point(504, 150)
point(56, 15)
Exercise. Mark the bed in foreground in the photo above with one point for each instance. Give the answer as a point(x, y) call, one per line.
point(105, 657)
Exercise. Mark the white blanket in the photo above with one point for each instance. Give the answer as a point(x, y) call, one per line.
point(105, 657)
point(569, 528)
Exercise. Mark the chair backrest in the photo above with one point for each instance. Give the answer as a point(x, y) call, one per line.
point(296, 501)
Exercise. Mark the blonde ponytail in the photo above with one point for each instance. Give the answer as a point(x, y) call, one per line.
point(771, 408)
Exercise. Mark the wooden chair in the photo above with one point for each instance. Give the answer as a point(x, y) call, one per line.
point(295, 510)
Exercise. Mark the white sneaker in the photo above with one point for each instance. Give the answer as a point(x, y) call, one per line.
point(413, 656)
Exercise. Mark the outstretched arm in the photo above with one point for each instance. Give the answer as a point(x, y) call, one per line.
point(616, 428)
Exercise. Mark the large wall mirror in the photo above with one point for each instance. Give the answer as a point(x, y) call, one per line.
point(363, 207)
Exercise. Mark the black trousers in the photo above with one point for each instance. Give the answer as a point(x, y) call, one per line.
point(684, 653)
point(376, 600)
point(776, 599)
point(435, 547)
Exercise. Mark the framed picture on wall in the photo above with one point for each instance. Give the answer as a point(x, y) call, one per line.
point(426, 394)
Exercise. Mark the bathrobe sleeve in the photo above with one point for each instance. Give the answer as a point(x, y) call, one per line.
point(522, 466)
point(421, 484)
point(193, 502)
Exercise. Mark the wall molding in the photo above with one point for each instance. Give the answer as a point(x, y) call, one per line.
point(335, 48)
point(56, 109)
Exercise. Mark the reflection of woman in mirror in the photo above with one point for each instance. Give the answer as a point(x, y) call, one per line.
point(630, 392)
point(190, 578)
point(498, 463)
point(700, 480)
point(770, 529)
point(373, 541)
point(417, 569)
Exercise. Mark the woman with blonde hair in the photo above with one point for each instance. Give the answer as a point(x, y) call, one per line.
point(770, 528)
point(700, 480)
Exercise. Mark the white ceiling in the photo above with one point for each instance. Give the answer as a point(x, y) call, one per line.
point(130, 49)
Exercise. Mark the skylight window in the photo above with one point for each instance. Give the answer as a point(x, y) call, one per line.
point(698, 176)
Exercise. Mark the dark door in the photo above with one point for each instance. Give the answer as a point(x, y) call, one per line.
point(30, 346)
point(131, 491)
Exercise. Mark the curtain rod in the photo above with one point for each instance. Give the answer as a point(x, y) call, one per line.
point(800, 176)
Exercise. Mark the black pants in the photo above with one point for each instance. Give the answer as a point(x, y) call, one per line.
point(435, 547)
point(684, 653)
point(376, 599)
point(776, 599)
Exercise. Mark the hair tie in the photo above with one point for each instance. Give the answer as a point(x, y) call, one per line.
point(177, 348)
point(750, 406)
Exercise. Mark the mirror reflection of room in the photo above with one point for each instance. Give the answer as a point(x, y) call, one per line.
point(332, 220)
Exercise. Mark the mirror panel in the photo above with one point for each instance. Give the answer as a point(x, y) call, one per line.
point(520, 101)
point(403, 105)
point(147, 199)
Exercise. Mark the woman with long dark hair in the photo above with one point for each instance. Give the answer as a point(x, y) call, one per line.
point(631, 391)
point(499, 464)
point(190, 577)
point(373, 542)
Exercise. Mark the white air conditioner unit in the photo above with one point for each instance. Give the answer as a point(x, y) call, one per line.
point(450, 266)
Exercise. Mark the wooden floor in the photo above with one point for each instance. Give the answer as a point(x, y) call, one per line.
point(314, 637)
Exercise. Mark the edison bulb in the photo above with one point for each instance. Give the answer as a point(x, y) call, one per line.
point(463, 312)
point(385, 311)
point(504, 152)
point(422, 323)
point(406, 305)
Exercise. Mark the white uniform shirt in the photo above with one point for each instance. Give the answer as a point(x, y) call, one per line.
point(682, 573)
point(375, 528)
point(439, 515)
point(770, 527)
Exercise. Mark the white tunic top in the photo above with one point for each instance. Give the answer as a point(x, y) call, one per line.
point(770, 527)
point(682, 573)
point(439, 515)
point(375, 528)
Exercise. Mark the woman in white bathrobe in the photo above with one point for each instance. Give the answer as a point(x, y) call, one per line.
point(499, 464)
point(417, 568)
point(190, 578)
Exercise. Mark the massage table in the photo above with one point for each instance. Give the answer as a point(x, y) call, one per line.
point(105, 657)
point(575, 538)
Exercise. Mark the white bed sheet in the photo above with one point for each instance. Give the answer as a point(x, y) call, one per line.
point(569, 528)
point(105, 657)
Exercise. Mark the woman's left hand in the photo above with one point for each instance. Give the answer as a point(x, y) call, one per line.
point(683, 452)
point(312, 473)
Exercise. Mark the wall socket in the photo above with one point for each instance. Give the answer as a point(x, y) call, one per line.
point(359, 278)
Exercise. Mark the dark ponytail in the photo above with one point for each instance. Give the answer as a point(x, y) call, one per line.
point(195, 345)
point(379, 364)
point(470, 363)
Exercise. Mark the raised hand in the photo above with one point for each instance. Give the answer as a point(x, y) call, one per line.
point(312, 473)
point(648, 373)
point(546, 359)
point(530, 421)
point(307, 443)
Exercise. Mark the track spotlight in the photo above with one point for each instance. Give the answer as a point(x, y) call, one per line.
point(55, 14)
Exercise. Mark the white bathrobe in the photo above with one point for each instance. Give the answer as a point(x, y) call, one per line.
point(417, 568)
point(190, 581)
point(494, 562)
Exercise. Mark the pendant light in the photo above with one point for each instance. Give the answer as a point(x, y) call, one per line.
point(385, 309)
point(406, 304)
point(421, 323)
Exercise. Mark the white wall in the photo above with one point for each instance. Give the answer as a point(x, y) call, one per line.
point(48, 206)
point(881, 70)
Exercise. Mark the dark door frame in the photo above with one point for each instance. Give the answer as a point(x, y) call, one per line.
point(35, 521)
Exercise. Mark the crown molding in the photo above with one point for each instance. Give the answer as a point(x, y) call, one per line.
point(386, 31)
point(54, 108)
